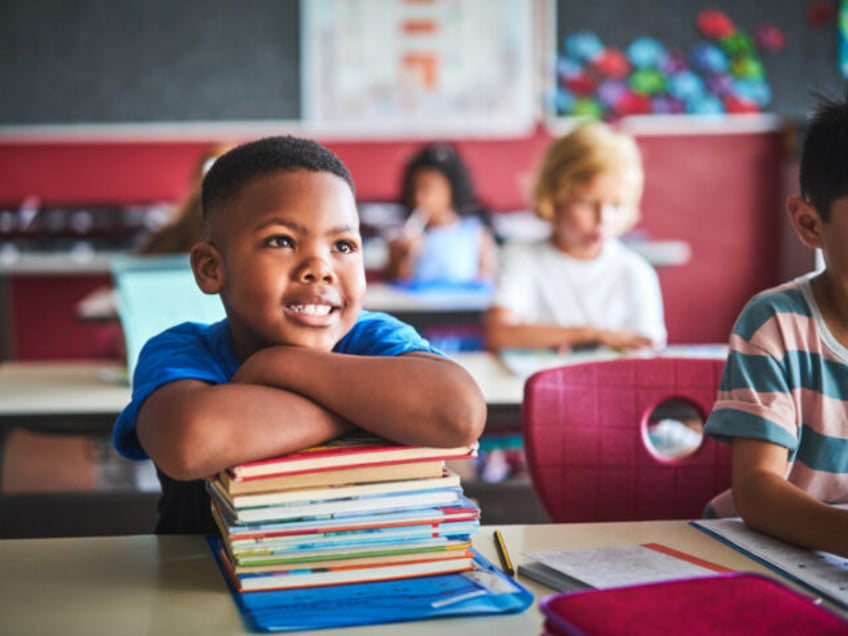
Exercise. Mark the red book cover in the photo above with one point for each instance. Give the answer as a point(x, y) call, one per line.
point(347, 451)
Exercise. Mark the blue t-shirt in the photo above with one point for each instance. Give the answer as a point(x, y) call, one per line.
point(205, 352)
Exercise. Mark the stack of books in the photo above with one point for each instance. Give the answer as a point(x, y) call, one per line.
point(354, 510)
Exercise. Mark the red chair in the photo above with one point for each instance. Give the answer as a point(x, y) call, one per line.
point(586, 439)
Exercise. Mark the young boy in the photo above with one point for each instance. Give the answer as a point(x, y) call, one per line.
point(783, 401)
point(297, 361)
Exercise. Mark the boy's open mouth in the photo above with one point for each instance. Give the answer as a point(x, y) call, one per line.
point(312, 309)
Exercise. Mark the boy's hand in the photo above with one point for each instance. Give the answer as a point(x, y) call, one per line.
point(771, 504)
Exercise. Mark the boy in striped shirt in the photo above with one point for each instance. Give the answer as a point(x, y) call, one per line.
point(783, 400)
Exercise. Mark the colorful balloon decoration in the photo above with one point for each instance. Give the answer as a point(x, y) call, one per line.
point(720, 74)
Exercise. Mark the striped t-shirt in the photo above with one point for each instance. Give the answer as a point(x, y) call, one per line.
point(786, 382)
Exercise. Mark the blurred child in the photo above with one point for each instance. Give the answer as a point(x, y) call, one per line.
point(296, 361)
point(783, 400)
point(580, 287)
point(448, 237)
point(186, 227)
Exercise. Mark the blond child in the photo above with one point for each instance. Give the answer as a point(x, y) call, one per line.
point(783, 399)
point(186, 227)
point(296, 361)
point(580, 287)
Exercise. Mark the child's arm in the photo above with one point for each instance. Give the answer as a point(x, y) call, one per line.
point(770, 504)
point(488, 256)
point(191, 429)
point(502, 331)
point(402, 256)
point(417, 399)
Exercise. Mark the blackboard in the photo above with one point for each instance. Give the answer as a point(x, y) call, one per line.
point(101, 61)
point(808, 62)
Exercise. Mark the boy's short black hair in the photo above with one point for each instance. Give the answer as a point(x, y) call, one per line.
point(236, 168)
point(824, 156)
point(445, 160)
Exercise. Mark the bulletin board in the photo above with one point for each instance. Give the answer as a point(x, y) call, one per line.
point(807, 61)
point(419, 67)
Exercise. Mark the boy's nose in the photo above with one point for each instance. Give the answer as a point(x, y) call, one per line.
point(315, 269)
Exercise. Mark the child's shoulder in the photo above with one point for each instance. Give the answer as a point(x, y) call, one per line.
point(785, 302)
point(788, 297)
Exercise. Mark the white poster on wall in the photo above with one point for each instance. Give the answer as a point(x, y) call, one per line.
point(418, 67)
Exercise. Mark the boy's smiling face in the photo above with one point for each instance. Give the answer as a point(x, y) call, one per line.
point(287, 259)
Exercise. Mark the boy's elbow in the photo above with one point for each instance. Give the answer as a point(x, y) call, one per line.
point(182, 465)
point(180, 455)
point(466, 419)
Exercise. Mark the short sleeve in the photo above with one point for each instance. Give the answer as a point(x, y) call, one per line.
point(755, 397)
point(187, 351)
point(379, 334)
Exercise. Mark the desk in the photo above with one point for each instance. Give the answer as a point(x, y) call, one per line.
point(170, 585)
point(72, 398)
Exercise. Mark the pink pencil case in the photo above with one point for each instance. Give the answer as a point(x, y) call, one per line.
point(733, 603)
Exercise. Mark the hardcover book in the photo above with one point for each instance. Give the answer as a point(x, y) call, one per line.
point(357, 475)
point(359, 505)
point(447, 479)
point(347, 452)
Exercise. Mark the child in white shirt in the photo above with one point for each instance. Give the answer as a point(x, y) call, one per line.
point(581, 286)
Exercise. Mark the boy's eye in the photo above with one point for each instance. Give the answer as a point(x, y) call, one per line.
point(280, 240)
point(346, 247)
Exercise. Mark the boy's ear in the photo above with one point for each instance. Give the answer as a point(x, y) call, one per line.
point(206, 265)
point(805, 220)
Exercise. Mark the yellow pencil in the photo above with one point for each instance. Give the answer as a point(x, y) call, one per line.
point(500, 546)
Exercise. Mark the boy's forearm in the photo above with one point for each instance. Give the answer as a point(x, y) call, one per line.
point(415, 399)
point(195, 434)
point(772, 505)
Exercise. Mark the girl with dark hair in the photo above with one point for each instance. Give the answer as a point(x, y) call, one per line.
point(448, 235)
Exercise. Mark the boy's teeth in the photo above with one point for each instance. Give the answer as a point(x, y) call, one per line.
point(314, 310)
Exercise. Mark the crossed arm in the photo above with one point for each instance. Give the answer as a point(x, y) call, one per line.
point(770, 504)
point(285, 398)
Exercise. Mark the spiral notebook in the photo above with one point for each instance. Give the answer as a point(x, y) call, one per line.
point(480, 591)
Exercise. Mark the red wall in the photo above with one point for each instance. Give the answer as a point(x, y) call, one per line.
point(721, 193)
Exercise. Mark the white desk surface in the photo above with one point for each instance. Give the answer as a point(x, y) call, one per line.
point(171, 584)
point(62, 388)
point(500, 386)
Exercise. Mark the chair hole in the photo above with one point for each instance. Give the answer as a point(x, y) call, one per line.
point(674, 429)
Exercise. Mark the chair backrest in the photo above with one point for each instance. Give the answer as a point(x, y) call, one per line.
point(157, 292)
point(586, 439)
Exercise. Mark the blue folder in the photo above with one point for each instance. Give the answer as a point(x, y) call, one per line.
point(484, 590)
